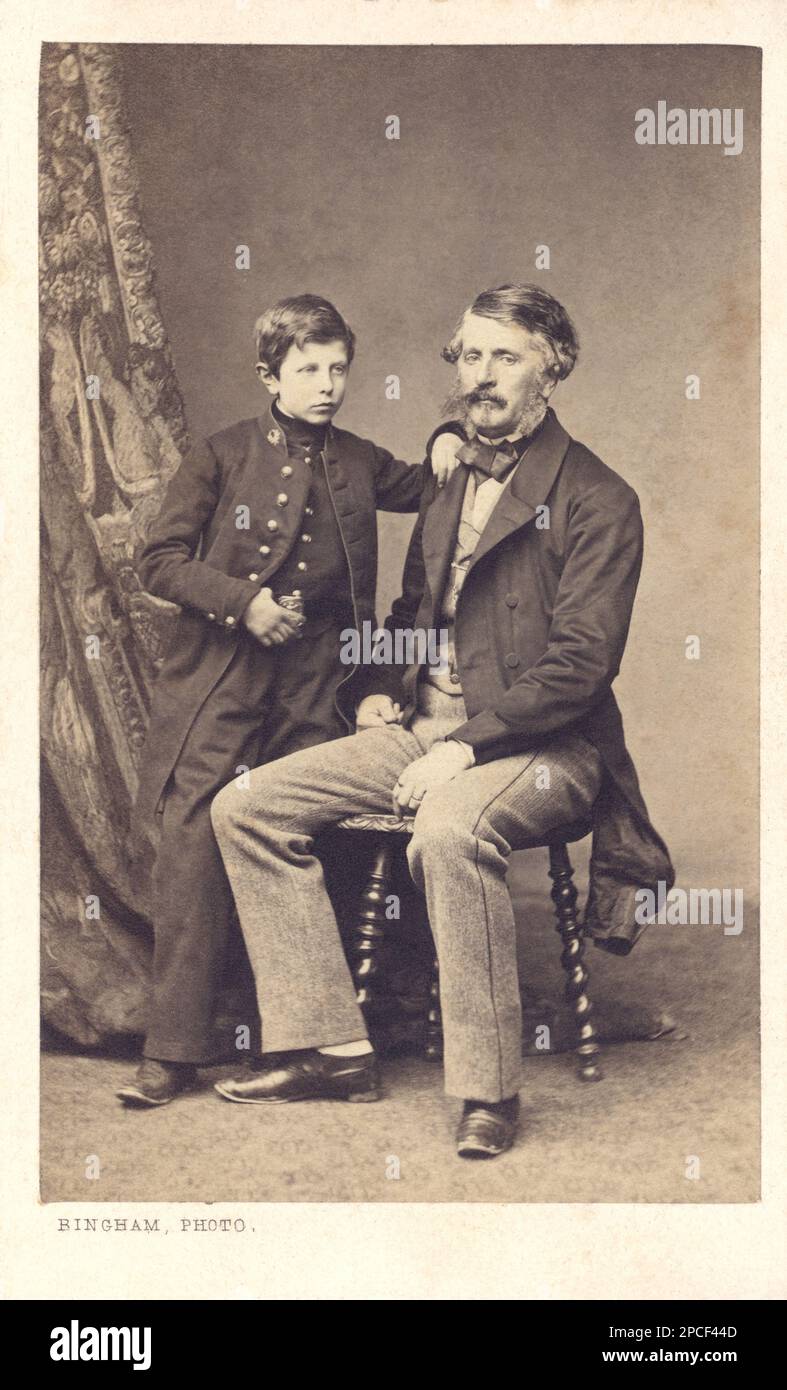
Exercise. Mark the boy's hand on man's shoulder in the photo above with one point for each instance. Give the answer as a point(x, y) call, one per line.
point(444, 460)
point(268, 621)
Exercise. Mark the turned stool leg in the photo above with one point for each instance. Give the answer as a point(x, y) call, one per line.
point(564, 896)
point(433, 1046)
point(369, 930)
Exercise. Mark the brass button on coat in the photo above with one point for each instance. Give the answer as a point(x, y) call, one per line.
point(265, 550)
point(512, 600)
point(301, 565)
point(273, 525)
point(512, 659)
point(253, 576)
point(286, 471)
point(282, 499)
point(306, 538)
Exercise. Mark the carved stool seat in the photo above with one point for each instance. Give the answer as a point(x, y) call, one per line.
point(371, 925)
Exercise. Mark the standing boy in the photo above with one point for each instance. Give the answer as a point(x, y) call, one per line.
point(273, 507)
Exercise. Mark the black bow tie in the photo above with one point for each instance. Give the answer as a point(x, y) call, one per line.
point(489, 460)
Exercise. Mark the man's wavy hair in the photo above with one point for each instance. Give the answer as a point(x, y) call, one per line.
point(300, 319)
point(532, 308)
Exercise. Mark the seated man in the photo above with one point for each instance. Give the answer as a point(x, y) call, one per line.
point(527, 562)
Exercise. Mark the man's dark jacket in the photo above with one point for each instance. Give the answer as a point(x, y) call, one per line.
point(197, 556)
point(541, 625)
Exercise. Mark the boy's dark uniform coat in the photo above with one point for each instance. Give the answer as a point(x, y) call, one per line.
point(196, 556)
point(223, 701)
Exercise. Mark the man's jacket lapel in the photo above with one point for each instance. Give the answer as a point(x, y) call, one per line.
point(528, 490)
point(529, 487)
point(439, 533)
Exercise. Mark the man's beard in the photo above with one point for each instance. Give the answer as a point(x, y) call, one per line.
point(458, 405)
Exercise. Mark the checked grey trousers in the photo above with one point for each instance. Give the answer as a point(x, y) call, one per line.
point(458, 854)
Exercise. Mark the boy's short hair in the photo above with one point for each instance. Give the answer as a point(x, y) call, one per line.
point(299, 319)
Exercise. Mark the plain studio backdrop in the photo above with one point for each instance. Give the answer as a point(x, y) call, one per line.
point(653, 250)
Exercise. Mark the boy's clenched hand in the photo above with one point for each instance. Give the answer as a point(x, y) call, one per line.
point(268, 621)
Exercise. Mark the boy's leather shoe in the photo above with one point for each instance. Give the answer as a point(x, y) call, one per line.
point(157, 1083)
point(305, 1075)
point(487, 1128)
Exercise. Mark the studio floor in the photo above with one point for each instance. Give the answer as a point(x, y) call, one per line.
point(673, 1120)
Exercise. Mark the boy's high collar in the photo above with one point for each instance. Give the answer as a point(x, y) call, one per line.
point(299, 431)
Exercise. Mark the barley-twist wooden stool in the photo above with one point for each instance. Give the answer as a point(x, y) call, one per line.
point(371, 926)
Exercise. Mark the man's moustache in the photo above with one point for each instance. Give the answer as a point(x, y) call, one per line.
point(478, 398)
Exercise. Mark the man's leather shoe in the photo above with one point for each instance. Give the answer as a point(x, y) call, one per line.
point(157, 1083)
point(305, 1075)
point(487, 1128)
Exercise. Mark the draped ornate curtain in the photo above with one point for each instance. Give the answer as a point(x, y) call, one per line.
point(112, 433)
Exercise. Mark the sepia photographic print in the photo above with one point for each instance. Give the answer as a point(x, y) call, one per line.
point(399, 715)
point(329, 334)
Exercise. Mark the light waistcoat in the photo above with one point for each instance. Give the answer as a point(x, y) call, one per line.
point(480, 500)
